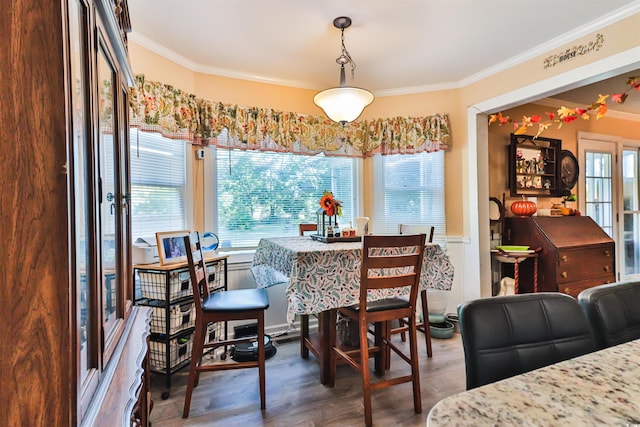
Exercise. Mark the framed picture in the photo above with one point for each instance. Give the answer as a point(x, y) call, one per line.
point(171, 248)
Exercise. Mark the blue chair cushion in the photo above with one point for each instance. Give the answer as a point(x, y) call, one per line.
point(237, 300)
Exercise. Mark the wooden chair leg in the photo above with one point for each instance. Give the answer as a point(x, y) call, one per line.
point(415, 373)
point(425, 322)
point(331, 337)
point(196, 356)
point(304, 334)
point(387, 349)
point(366, 374)
point(261, 361)
point(381, 329)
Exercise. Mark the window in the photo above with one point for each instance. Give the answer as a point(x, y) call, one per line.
point(598, 189)
point(409, 189)
point(267, 194)
point(158, 184)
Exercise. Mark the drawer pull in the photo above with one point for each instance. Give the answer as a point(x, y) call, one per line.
point(607, 268)
point(564, 274)
point(564, 258)
point(607, 253)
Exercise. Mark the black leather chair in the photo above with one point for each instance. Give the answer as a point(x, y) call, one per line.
point(613, 311)
point(510, 335)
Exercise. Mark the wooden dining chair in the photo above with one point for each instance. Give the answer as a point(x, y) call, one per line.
point(388, 263)
point(222, 306)
point(422, 326)
point(304, 318)
point(307, 227)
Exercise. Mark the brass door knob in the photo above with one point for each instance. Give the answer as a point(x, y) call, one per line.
point(564, 274)
point(564, 258)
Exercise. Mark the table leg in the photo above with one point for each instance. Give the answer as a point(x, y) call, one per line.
point(327, 332)
point(304, 336)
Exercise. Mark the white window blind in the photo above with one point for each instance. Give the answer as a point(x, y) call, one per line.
point(157, 184)
point(409, 189)
point(267, 194)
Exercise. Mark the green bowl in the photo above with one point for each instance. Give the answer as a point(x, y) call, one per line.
point(441, 330)
point(513, 248)
point(436, 318)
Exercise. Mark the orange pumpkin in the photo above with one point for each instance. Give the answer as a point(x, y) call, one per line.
point(523, 208)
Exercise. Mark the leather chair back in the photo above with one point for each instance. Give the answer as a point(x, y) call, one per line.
point(509, 335)
point(613, 311)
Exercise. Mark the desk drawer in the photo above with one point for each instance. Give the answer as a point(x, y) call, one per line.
point(574, 288)
point(584, 264)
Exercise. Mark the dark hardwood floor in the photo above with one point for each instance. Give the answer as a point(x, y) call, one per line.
point(295, 396)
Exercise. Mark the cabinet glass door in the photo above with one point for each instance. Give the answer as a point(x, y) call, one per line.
point(109, 195)
point(78, 37)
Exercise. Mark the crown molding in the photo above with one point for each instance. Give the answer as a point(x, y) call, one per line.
point(556, 43)
point(172, 56)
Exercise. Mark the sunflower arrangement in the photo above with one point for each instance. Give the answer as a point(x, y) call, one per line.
point(330, 205)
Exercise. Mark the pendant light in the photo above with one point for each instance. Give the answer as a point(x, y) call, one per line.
point(343, 104)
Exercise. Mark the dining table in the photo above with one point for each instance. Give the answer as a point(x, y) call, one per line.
point(321, 277)
point(597, 389)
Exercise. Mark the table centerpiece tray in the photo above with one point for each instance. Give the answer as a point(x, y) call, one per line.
point(326, 239)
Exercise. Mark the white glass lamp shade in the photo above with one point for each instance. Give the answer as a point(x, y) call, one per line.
point(343, 104)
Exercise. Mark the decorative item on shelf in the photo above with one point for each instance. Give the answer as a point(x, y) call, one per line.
point(343, 104)
point(567, 209)
point(523, 208)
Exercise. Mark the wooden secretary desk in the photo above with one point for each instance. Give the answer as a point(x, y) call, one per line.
point(576, 253)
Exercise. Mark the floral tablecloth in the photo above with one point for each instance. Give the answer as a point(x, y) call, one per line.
point(321, 276)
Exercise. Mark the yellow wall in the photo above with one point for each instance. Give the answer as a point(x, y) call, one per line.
point(618, 37)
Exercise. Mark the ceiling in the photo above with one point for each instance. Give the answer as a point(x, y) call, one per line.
point(399, 46)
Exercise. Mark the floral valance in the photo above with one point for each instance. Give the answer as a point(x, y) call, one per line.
point(162, 108)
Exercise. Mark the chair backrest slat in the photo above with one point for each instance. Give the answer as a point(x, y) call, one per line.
point(197, 268)
point(417, 228)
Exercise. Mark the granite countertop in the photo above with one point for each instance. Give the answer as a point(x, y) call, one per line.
point(601, 388)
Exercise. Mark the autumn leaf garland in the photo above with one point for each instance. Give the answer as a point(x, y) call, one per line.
point(566, 115)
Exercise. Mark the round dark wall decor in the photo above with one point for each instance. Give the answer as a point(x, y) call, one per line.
point(569, 170)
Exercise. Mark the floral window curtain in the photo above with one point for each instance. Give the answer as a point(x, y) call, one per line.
point(162, 108)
